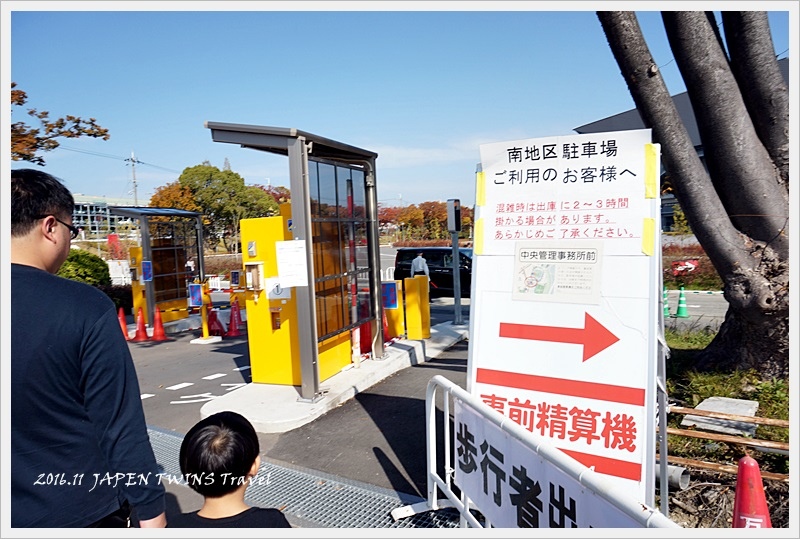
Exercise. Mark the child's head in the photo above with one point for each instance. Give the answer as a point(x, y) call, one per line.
point(219, 454)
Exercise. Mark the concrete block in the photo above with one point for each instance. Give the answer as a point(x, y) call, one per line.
point(724, 405)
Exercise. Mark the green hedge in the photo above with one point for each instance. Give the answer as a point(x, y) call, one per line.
point(84, 267)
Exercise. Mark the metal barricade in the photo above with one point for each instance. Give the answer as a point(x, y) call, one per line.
point(608, 507)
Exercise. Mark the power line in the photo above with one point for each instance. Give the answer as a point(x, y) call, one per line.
point(109, 156)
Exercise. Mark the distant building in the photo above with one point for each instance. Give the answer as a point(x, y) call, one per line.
point(92, 216)
point(630, 119)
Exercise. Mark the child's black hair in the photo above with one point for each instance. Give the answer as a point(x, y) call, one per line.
point(217, 454)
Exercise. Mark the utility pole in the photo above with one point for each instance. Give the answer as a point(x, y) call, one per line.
point(133, 162)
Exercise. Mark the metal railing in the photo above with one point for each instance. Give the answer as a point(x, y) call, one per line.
point(631, 511)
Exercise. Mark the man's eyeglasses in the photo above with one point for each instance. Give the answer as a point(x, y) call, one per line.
point(73, 230)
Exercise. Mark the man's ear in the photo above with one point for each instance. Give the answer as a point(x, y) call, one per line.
point(48, 227)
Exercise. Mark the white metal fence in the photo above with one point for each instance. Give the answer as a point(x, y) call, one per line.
point(387, 274)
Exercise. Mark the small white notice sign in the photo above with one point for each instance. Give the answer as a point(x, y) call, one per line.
point(292, 266)
point(566, 272)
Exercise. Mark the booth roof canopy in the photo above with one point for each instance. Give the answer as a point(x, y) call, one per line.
point(274, 140)
point(141, 211)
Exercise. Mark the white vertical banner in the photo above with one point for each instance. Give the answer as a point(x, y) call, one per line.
point(514, 487)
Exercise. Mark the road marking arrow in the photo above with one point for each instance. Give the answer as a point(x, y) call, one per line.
point(593, 336)
point(203, 397)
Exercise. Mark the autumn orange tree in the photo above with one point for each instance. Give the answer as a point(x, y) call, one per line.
point(27, 142)
point(174, 195)
point(281, 194)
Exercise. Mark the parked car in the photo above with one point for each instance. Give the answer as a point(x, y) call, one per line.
point(440, 266)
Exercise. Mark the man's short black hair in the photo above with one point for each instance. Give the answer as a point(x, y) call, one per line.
point(34, 195)
point(217, 454)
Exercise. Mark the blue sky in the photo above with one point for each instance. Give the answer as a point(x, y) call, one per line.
point(423, 89)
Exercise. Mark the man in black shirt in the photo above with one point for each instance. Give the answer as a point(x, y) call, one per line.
point(80, 452)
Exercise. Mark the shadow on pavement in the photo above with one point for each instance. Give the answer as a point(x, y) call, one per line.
point(379, 436)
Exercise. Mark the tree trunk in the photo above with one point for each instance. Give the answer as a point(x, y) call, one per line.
point(738, 207)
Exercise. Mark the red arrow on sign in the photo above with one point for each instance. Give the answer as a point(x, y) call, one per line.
point(593, 336)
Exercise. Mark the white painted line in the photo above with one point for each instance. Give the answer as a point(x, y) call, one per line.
point(180, 386)
point(147, 395)
point(245, 368)
point(203, 397)
point(232, 386)
point(214, 376)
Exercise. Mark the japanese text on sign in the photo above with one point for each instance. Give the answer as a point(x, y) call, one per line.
point(565, 188)
point(514, 487)
point(554, 420)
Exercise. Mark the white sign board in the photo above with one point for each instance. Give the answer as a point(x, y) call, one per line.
point(514, 487)
point(565, 296)
point(292, 267)
point(579, 187)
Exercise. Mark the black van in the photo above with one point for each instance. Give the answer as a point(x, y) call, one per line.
point(440, 266)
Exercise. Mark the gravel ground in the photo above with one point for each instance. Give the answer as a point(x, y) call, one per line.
point(708, 501)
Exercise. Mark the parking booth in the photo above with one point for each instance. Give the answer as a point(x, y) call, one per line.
point(312, 274)
point(169, 259)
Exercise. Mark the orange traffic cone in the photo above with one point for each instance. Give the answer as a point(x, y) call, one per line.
point(233, 324)
point(158, 328)
point(215, 327)
point(750, 504)
point(123, 325)
point(141, 331)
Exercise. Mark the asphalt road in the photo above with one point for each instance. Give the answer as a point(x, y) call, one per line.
point(377, 437)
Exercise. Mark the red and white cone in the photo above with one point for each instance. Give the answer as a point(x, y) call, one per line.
point(215, 326)
point(123, 324)
point(233, 323)
point(750, 503)
point(141, 331)
point(238, 310)
point(386, 335)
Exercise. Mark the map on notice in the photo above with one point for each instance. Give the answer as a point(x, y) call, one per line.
point(556, 273)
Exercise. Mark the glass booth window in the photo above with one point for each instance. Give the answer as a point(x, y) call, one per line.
point(172, 246)
point(340, 247)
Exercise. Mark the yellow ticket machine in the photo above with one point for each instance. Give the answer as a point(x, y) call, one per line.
point(271, 311)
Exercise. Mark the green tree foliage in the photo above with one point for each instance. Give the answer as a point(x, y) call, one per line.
point(27, 142)
point(223, 199)
point(680, 225)
point(85, 267)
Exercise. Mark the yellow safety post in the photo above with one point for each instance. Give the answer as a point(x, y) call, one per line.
point(204, 310)
point(204, 320)
point(395, 317)
point(418, 308)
